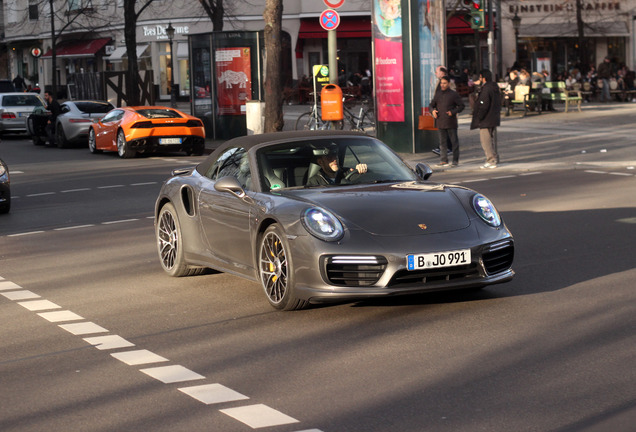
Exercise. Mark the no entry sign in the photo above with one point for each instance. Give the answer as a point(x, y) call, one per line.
point(334, 4)
point(329, 19)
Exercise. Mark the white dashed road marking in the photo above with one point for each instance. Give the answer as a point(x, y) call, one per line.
point(255, 416)
point(213, 394)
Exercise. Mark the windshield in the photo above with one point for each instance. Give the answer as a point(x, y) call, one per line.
point(157, 113)
point(330, 162)
point(21, 100)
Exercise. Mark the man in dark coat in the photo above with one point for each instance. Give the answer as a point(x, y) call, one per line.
point(54, 107)
point(487, 116)
point(444, 107)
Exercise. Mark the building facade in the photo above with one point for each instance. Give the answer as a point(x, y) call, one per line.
point(89, 36)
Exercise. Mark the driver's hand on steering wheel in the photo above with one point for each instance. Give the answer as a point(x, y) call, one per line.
point(361, 168)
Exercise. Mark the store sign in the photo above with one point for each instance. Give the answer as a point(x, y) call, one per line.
point(36, 52)
point(567, 7)
point(159, 31)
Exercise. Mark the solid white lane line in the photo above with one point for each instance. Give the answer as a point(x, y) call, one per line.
point(476, 180)
point(530, 173)
point(7, 285)
point(20, 295)
point(259, 416)
point(60, 316)
point(138, 357)
point(172, 374)
point(213, 394)
point(39, 305)
point(83, 328)
point(622, 174)
point(109, 342)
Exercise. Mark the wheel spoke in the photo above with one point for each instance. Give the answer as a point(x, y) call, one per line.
point(273, 267)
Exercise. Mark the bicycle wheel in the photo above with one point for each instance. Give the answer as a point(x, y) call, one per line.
point(367, 123)
point(307, 121)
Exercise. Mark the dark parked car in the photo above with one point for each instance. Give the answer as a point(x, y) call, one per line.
point(282, 210)
point(72, 124)
point(5, 189)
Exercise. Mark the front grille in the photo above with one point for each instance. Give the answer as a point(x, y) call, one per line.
point(347, 270)
point(498, 256)
point(448, 274)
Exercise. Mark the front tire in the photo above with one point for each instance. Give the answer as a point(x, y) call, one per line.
point(170, 244)
point(276, 270)
point(92, 143)
point(123, 147)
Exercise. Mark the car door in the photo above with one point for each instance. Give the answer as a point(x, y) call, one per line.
point(106, 132)
point(225, 218)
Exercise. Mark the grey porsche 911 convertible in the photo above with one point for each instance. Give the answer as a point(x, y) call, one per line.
point(319, 216)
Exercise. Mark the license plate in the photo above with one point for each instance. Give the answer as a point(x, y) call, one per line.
point(169, 140)
point(438, 259)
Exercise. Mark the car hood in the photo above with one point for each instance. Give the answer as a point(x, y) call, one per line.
point(404, 209)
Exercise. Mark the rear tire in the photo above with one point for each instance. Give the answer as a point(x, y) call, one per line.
point(123, 147)
point(170, 244)
point(60, 137)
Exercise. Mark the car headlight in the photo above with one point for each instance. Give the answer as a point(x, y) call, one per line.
point(4, 174)
point(486, 210)
point(322, 224)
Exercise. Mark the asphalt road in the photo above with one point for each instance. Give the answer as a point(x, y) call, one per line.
point(95, 337)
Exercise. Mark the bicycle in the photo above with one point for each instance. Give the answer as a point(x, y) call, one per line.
point(364, 121)
point(312, 120)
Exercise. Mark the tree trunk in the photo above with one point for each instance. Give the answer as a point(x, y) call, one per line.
point(273, 17)
point(130, 35)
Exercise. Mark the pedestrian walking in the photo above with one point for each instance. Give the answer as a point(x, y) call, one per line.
point(487, 116)
point(604, 72)
point(444, 107)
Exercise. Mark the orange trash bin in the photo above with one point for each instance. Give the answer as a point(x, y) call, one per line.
point(331, 103)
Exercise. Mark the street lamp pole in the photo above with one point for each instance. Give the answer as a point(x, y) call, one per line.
point(516, 23)
point(173, 96)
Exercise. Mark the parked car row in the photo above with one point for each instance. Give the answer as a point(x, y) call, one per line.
point(103, 127)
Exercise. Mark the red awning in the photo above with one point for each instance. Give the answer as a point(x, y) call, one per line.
point(458, 25)
point(350, 27)
point(79, 49)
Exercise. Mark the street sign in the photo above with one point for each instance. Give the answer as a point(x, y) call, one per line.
point(329, 19)
point(334, 4)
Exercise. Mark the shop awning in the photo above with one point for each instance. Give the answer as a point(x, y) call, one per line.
point(79, 49)
point(596, 29)
point(350, 27)
point(121, 52)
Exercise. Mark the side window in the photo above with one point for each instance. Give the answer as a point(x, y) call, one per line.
point(64, 109)
point(112, 116)
point(233, 162)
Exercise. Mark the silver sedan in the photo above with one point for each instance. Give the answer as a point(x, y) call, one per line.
point(14, 110)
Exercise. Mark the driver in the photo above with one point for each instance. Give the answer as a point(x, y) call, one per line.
point(330, 173)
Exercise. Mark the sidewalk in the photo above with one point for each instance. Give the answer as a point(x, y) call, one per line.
point(601, 135)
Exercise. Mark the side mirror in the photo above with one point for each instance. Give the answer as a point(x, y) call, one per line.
point(229, 184)
point(423, 171)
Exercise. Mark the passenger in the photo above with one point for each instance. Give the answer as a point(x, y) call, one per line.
point(330, 173)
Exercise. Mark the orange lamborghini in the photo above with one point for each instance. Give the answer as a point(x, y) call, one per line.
point(142, 129)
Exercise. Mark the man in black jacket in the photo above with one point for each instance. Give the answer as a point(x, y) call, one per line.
point(444, 107)
point(487, 116)
point(54, 107)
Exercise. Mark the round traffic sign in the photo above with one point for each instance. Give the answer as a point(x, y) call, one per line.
point(329, 19)
point(334, 4)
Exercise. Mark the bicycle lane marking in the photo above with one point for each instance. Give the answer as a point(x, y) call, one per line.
point(254, 415)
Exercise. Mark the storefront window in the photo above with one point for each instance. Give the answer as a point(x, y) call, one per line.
point(164, 69)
